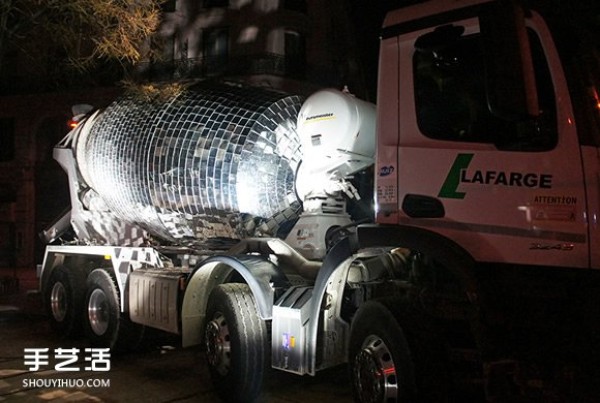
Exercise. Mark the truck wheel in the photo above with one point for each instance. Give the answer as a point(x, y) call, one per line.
point(63, 298)
point(393, 363)
point(236, 343)
point(105, 326)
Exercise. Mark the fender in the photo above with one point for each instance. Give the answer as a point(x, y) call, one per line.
point(445, 251)
point(256, 271)
point(339, 253)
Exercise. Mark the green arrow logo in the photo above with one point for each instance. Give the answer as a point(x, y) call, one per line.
point(452, 181)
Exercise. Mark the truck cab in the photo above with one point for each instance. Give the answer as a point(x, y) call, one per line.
point(509, 183)
point(486, 171)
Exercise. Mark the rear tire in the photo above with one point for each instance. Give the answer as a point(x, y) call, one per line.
point(236, 343)
point(105, 326)
point(63, 299)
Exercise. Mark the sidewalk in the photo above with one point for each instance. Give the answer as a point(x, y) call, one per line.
point(18, 292)
point(27, 302)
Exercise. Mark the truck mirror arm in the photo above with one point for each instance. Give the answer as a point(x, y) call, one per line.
point(510, 79)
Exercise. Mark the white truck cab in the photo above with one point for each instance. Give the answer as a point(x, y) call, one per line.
point(520, 189)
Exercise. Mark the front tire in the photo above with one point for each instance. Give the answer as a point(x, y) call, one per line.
point(236, 343)
point(381, 366)
point(394, 363)
point(63, 299)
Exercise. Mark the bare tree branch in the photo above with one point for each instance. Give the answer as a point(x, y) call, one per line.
point(82, 32)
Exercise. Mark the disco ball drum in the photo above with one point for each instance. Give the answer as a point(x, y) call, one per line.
point(195, 165)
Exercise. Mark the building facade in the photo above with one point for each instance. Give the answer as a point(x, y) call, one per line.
point(280, 43)
point(294, 45)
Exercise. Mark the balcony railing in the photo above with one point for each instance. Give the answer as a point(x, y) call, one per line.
point(257, 64)
point(265, 63)
point(295, 5)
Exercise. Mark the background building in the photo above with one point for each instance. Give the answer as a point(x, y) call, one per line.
point(295, 45)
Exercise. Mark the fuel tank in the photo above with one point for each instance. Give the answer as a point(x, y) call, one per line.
point(216, 160)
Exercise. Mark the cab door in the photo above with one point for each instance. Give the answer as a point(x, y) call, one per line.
point(507, 189)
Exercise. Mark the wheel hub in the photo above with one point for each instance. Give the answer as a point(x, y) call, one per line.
point(374, 372)
point(98, 312)
point(58, 302)
point(218, 345)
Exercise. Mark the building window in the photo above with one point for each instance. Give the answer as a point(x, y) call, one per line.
point(295, 5)
point(169, 6)
point(7, 244)
point(8, 193)
point(295, 54)
point(215, 49)
point(215, 3)
point(7, 139)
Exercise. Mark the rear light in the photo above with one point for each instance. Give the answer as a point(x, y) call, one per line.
point(79, 111)
point(72, 123)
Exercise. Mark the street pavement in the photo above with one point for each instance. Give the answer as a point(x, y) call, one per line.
point(161, 372)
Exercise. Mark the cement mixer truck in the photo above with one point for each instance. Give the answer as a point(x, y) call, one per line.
point(222, 215)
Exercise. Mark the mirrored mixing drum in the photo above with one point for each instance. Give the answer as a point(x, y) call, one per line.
point(215, 160)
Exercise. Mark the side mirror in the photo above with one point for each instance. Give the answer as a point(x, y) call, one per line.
point(510, 79)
